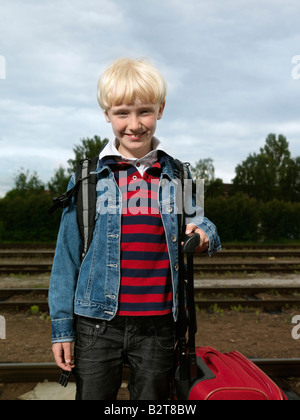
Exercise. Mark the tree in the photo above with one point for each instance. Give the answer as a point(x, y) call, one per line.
point(204, 169)
point(59, 183)
point(291, 183)
point(271, 174)
point(26, 183)
point(88, 148)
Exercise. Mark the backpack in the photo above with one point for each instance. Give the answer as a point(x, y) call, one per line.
point(85, 195)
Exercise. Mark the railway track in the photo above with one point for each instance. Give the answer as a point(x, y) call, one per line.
point(39, 372)
point(226, 253)
point(203, 267)
point(205, 298)
point(276, 259)
point(37, 259)
point(34, 260)
point(51, 246)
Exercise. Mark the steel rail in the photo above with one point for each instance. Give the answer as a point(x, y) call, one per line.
point(22, 253)
point(205, 297)
point(268, 305)
point(247, 266)
point(51, 246)
point(209, 304)
point(39, 372)
point(28, 372)
point(258, 253)
point(25, 268)
point(8, 293)
point(281, 368)
point(216, 266)
point(226, 253)
point(24, 306)
point(203, 289)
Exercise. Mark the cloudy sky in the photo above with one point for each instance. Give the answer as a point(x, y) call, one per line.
point(228, 64)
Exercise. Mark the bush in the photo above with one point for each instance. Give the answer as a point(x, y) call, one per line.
point(239, 218)
point(280, 220)
point(25, 218)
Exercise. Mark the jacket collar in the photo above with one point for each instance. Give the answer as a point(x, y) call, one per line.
point(158, 153)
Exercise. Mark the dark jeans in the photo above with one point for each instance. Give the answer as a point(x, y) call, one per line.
point(145, 343)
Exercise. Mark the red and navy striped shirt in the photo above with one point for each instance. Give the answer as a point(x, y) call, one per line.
point(146, 286)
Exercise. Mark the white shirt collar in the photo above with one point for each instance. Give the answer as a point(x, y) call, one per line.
point(111, 150)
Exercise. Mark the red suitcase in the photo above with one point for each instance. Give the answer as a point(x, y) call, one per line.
point(206, 374)
point(230, 377)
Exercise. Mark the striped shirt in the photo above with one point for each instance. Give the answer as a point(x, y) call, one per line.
point(146, 286)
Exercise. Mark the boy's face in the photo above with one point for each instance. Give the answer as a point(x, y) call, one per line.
point(134, 126)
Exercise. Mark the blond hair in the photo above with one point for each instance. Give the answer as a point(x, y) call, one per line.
point(126, 81)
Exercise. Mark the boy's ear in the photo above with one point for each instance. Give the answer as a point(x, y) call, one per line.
point(161, 110)
point(106, 116)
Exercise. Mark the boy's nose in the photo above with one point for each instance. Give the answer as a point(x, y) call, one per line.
point(134, 123)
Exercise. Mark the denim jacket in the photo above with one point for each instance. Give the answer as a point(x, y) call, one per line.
point(90, 287)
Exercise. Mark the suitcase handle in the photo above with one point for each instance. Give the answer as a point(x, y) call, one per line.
point(217, 361)
point(191, 242)
point(188, 362)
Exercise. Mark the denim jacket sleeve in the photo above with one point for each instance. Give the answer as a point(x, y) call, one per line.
point(196, 216)
point(65, 270)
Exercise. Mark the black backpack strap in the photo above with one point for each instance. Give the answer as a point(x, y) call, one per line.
point(84, 192)
point(181, 172)
point(188, 368)
point(189, 246)
point(64, 199)
point(86, 200)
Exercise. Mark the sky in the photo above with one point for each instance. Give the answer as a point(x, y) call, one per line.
point(232, 68)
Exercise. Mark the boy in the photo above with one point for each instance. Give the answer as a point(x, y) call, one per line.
point(120, 303)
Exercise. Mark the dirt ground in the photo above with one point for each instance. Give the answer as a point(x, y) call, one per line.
point(252, 332)
point(256, 334)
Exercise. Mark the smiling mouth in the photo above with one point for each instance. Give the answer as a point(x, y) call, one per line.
point(135, 136)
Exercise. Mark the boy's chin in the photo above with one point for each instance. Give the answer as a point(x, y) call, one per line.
point(135, 145)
